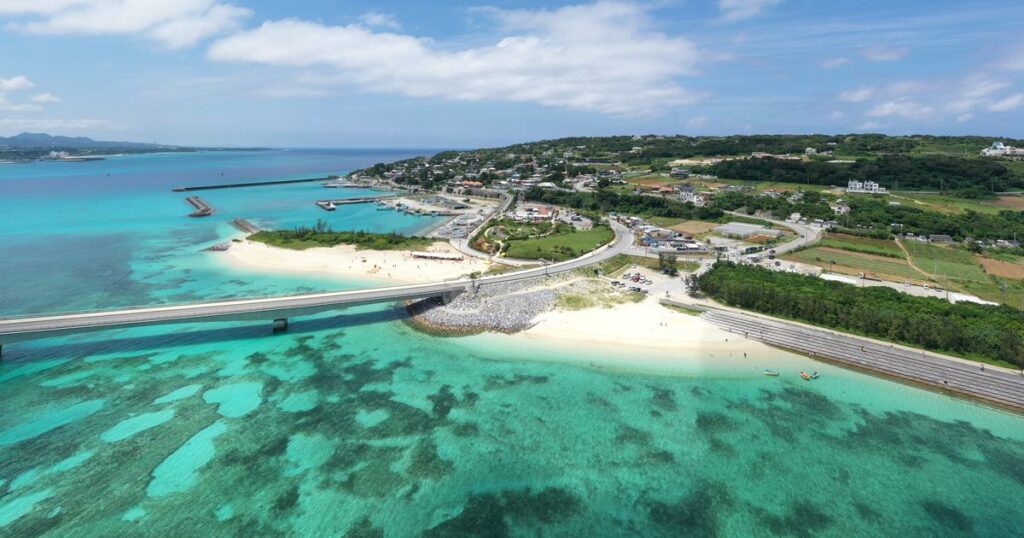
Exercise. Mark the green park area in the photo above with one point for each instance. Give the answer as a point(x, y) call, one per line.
point(562, 244)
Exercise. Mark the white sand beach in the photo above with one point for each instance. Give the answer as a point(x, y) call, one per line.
point(398, 266)
point(645, 325)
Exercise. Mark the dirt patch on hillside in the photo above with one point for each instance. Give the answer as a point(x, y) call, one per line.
point(693, 227)
point(1002, 269)
point(1013, 202)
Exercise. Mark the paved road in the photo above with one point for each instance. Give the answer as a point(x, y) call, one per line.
point(996, 385)
point(27, 328)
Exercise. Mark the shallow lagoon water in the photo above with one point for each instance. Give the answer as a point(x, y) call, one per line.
point(353, 423)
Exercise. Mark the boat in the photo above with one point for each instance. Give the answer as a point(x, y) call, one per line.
point(815, 375)
point(805, 376)
point(330, 206)
point(772, 373)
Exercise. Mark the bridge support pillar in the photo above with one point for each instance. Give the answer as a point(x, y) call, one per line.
point(448, 296)
point(280, 325)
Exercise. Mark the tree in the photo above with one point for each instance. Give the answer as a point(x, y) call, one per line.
point(668, 261)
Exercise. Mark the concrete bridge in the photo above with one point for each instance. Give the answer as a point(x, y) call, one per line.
point(279, 309)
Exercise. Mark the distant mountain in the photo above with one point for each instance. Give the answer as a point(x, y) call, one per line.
point(45, 141)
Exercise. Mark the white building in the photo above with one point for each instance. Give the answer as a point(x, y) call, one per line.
point(869, 187)
point(998, 149)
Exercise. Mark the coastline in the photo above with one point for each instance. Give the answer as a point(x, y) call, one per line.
point(395, 266)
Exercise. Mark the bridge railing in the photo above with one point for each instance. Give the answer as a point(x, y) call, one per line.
point(213, 300)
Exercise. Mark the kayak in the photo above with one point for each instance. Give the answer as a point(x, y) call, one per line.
point(806, 376)
point(771, 373)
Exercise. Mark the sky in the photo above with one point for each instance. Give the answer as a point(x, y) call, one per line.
point(463, 74)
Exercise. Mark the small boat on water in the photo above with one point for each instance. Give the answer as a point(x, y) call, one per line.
point(771, 373)
point(815, 375)
point(805, 376)
point(330, 206)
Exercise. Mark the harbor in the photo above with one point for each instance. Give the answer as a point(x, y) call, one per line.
point(331, 205)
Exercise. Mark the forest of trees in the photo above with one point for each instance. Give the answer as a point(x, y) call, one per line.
point(969, 329)
point(322, 235)
point(970, 178)
point(631, 204)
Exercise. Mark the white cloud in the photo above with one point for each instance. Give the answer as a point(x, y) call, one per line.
point(8, 106)
point(964, 117)
point(64, 126)
point(904, 87)
point(699, 121)
point(14, 84)
point(734, 10)
point(1014, 61)
point(903, 108)
point(1006, 104)
point(172, 23)
point(45, 98)
point(869, 125)
point(381, 20)
point(857, 95)
point(836, 114)
point(880, 53)
point(607, 57)
point(833, 63)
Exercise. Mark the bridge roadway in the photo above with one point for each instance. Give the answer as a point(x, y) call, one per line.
point(20, 329)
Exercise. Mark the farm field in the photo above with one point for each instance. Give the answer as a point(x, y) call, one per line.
point(1003, 269)
point(854, 263)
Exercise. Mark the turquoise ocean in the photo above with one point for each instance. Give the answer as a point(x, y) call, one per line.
point(354, 424)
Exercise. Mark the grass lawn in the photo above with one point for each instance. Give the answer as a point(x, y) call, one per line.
point(955, 262)
point(560, 246)
point(615, 265)
point(664, 222)
point(948, 204)
point(761, 186)
point(864, 245)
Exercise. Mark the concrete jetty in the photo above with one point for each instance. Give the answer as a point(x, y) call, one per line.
point(253, 184)
point(244, 226)
point(330, 205)
point(202, 209)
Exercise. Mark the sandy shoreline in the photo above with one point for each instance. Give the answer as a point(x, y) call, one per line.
point(396, 266)
point(646, 325)
point(625, 327)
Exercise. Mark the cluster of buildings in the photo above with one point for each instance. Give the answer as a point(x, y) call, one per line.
point(660, 239)
point(534, 213)
point(867, 187)
point(466, 172)
point(999, 149)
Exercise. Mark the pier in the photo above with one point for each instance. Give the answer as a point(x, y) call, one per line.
point(253, 184)
point(244, 226)
point(329, 205)
point(202, 209)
